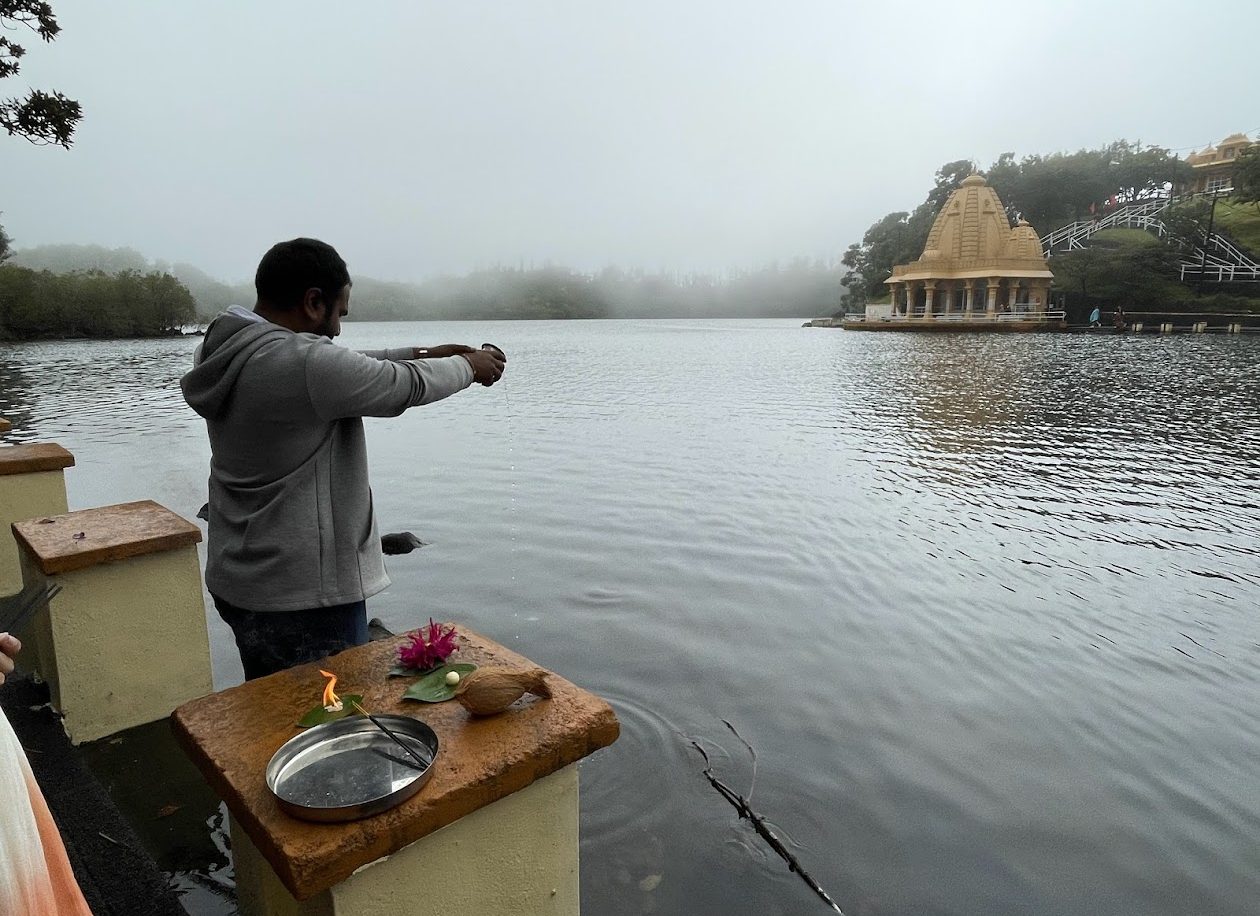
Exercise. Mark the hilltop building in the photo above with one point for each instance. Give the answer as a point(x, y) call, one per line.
point(1214, 165)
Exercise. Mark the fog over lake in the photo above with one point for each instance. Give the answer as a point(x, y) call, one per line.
point(423, 139)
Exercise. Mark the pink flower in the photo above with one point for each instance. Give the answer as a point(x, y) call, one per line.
point(430, 647)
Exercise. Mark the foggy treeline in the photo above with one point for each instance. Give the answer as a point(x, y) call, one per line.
point(37, 305)
point(801, 288)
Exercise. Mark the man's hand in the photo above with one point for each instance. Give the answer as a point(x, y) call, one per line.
point(10, 646)
point(487, 365)
point(443, 350)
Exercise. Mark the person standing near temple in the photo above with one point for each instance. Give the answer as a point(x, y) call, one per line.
point(293, 551)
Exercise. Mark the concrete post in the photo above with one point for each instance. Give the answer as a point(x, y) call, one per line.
point(125, 642)
point(516, 857)
point(32, 484)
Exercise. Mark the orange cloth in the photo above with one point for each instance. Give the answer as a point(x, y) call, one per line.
point(35, 874)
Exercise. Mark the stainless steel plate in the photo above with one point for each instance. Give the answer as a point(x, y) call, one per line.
point(348, 769)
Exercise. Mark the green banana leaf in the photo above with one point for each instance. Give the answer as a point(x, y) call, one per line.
point(432, 688)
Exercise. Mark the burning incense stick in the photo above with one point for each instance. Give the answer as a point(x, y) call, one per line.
point(399, 741)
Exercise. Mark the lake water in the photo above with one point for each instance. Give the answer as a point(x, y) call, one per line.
point(984, 606)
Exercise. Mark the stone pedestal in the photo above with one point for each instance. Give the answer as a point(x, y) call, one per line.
point(32, 483)
point(125, 642)
point(494, 831)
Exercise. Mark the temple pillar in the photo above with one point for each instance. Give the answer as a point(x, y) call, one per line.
point(949, 296)
point(929, 289)
point(1037, 299)
point(991, 302)
point(968, 296)
point(895, 290)
point(1012, 293)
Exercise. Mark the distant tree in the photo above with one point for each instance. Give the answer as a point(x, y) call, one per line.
point(66, 258)
point(1247, 175)
point(1142, 172)
point(1129, 271)
point(6, 245)
point(1187, 225)
point(41, 117)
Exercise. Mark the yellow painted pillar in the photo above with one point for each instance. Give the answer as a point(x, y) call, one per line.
point(32, 484)
point(125, 642)
point(515, 857)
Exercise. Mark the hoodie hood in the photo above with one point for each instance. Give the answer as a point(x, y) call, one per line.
point(229, 343)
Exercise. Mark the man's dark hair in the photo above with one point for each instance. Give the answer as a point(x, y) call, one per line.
point(290, 268)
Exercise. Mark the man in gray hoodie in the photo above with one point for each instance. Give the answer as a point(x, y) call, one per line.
point(293, 549)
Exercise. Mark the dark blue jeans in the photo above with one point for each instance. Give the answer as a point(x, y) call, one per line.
point(270, 641)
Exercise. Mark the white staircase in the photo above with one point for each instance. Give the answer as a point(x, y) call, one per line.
point(1222, 262)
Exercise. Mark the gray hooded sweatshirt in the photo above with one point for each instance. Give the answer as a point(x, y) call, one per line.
point(291, 520)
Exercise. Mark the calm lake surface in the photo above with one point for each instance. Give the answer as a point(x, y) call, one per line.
point(985, 606)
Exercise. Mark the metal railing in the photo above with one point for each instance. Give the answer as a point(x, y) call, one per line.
point(1221, 273)
point(1049, 315)
point(1215, 257)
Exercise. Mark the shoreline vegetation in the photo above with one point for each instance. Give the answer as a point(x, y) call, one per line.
point(76, 291)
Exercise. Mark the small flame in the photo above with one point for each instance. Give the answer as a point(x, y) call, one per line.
point(330, 695)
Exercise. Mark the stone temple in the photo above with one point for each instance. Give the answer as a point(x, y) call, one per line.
point(976, 270)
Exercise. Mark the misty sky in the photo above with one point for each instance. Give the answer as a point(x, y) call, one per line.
point(424, 138)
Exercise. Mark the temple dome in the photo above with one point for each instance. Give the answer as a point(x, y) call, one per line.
point(972, 224)
point(972, 237)
point(1023, 242)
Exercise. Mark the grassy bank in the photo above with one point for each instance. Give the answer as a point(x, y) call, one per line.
point(1241, 221)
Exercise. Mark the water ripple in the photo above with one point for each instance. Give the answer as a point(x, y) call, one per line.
point(984, 605)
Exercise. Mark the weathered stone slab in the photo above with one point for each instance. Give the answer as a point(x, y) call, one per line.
point(38, 456)
point(77, 540)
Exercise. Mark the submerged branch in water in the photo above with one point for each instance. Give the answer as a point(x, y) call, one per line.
point(742, 806)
